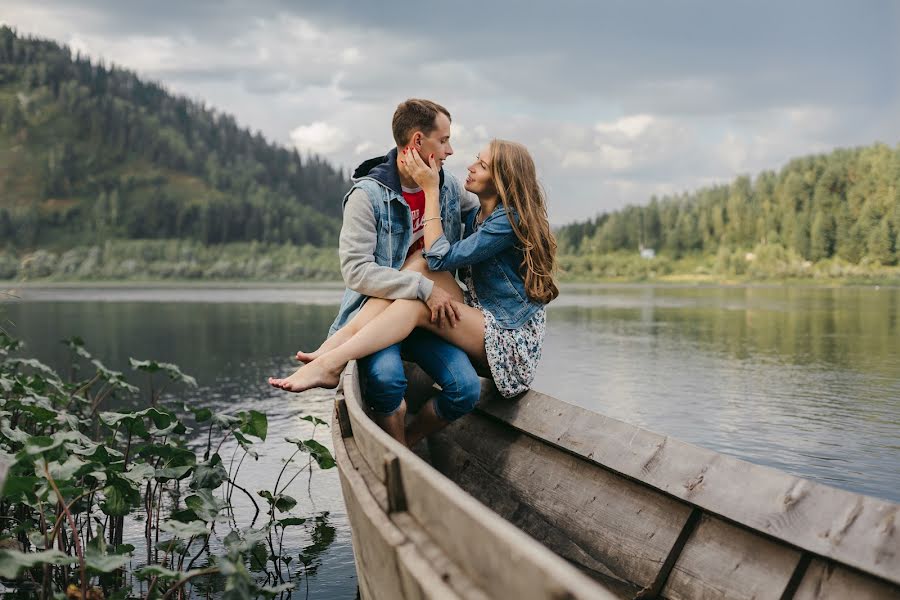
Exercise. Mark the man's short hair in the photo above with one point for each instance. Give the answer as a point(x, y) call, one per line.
point(415, 115)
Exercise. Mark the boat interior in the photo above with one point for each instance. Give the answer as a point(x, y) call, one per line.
point(586, 506)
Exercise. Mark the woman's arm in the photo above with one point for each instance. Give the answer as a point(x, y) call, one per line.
point(494, 236)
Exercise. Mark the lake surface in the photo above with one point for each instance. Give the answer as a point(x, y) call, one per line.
point(802, 379)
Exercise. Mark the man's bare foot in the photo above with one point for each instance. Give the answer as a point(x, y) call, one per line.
point(307, 377)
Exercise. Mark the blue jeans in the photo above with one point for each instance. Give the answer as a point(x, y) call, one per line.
point(450, 367)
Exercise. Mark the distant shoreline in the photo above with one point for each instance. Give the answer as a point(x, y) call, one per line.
point(671, 280)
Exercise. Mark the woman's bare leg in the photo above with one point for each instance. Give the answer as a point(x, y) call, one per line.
point(393, 325)
point(375, 306)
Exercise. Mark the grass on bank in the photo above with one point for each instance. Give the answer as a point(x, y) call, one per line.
point(188, 261)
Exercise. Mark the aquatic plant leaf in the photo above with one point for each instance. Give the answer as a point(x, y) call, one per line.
point(254, 423)
point(184, 530)
point(13, 561)
point(320, 453)
point(168, 473)
point(246, 444)
point(285, 503)
point(259, 555)
point(204, 504)
point(314, 420)
point(171, 371)
point(119, 498)
point(210, 474)
point(157, 571)
point(104, 563)
point(201, 415)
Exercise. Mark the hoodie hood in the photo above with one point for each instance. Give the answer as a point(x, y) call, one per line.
point(383, 169)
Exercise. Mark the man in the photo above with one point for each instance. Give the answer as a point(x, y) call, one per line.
point(382, 226)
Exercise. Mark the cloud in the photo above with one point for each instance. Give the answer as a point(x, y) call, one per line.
point(618, 101)
point(318, 138)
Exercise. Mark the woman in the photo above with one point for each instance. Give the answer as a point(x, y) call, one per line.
point(507, 257)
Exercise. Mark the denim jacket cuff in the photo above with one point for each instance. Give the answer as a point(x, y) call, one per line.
point(438, 249)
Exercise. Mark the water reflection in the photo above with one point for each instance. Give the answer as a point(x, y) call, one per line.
point(802, 379)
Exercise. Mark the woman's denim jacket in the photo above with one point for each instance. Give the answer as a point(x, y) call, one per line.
point(496, 261)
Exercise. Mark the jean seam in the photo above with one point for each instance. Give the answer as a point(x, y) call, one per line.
point(455, 382)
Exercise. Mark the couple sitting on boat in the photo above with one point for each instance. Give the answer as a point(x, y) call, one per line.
point(408, 227)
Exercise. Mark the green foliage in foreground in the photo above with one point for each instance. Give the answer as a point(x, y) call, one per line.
point(176, 260)
point(77, 472)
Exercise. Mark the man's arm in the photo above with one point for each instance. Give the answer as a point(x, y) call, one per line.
point(357, 254)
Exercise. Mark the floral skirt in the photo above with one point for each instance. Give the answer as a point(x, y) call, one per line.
point(513, 354)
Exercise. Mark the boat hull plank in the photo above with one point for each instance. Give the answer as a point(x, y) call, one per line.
point(849, 528)
point(827, 581)
point(600, 521)
point(499, 559)
point(375, 537)
point(723, 561)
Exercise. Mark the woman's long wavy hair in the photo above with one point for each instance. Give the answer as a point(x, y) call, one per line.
point(515, 178)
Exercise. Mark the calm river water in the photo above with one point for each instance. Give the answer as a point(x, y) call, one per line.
point(802, 379)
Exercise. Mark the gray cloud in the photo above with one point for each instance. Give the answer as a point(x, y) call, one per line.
point(616, 100)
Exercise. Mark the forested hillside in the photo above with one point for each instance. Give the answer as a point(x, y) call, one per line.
point(90, 152)
point(841, 206)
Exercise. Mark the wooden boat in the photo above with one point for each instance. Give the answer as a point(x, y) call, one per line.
point(535, 498)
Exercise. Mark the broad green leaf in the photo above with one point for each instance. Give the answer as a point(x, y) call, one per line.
point(314, 420)
point(210, 474)
point(201, 415)
point(168, 473)
point(139, 473)
point(185, 530)
point(13, 561)
point(104, 563)
point(157, 571)
point(246, 444)
point(320, 453)
point(171, 371)
point(284, 503)
point(254, 423)
point(204, 504)
point(259, 555)
point(287, 522)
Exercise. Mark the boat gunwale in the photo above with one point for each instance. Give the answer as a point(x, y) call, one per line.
point(700, 471)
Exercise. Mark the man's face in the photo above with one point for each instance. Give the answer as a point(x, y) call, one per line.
point(437, 142)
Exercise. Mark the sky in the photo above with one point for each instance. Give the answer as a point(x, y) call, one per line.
point(617, 100)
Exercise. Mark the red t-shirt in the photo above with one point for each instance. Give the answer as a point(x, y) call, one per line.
point(416, 201)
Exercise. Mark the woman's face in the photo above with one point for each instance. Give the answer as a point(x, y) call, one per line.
point(479, 181)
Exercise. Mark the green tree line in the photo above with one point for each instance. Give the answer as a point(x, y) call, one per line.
point(843, 206)
point(91, 151)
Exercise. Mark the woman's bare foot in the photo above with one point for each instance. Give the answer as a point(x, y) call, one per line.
point(307, 377)
point(308, 357)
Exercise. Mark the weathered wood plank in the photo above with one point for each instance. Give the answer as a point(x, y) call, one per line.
point(590, 516)
point(723, 561)
point(827, 581)
point(849, 528)
point(372, 441)
point(502, 560)
point(433, 569)
point(375, 537)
